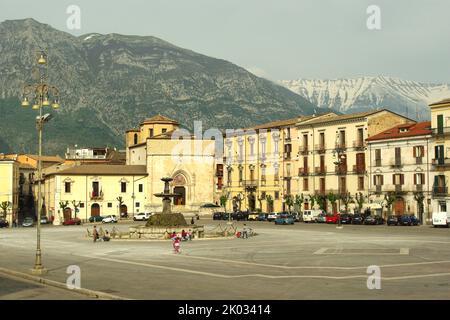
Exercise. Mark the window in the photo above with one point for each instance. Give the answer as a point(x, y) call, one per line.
point(109, 205)
point(150, 133)
point(95, 189)
point(141, 187)
point(288, 169)
point(418, 151)
point(305, 184)
point(322, 164)
point(322, 140)
point(305, 142)
point(164, 130)
point(377, 157)
point(360, 183)
point(135, 138)
point(305, 165)
point(241, 174)
point(263, 195)
point(398, 179)
point(342, 138)
point(419, 178)
point(277, 195)
point(81, 204)
point(67, 187)
point(398, 156)
point(276, 176)
point(123, 187)
point(439, 154)
point(138, 204)
point(322, 185)
point(229, 176)
point(342, 185)
point(360, 162)
point(360, 140)
point(263, 173)
point(440, 124)
point(378, 180)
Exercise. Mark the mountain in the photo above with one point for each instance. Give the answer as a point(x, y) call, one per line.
point(109, 83)
point(406, 97)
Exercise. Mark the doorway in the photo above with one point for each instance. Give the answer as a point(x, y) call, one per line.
point(399, 206)
point(180, 200)
point(95, 210)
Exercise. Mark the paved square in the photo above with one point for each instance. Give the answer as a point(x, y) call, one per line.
point(303, 261)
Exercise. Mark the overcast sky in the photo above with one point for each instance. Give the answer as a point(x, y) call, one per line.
point(279, 39)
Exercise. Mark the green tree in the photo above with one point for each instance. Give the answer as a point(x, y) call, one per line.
point(76, 205)
point(359, 198)
point(260, 200)
point(346, 200)
point(313, 200)
point(5, 206)
point(333, 198)
point(419, 197)
point(269, 200)
point(224, 201)
point(321, 201)
point(298, 201)
point(389, 198)
point(289, 201)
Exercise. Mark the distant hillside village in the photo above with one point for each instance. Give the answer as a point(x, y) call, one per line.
point(376, 160)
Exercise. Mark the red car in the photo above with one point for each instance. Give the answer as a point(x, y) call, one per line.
point(332, 218)
point(71, 222)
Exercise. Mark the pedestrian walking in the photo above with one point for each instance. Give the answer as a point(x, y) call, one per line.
point(192, 220)
point(176, 242)
point(95, 234)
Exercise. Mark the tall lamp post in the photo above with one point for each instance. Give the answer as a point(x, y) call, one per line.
point(339, 155)
point(41, 94)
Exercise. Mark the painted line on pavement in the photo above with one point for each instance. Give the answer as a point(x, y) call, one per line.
point(258, 275)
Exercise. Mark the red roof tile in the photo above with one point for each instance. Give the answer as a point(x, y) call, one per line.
point(403, 131)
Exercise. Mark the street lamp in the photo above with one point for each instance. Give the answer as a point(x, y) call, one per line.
point(41, 94)
point(339, 155)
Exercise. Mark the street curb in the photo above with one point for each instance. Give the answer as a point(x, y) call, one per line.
point(56, 284)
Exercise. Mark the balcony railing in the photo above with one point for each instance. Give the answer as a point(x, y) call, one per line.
point(359, 169)
point(341, 145)
point(396, 163)
point(398, 188)
point(303, 171)
point(358, 144)
point(419, 160)
point(304, 150)
point(320, 170)
point(378, 189)
point(441, 131)
point(249, 183)
point(340, 169)
point(419, 187)
point(321, 192)
point(320, 148)
point(95, 195)
point(441, 162)
point(440, 191)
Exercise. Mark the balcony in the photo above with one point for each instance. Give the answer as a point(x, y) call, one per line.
point(250, 183)
point(378, 189)
point(320, 148)
point(320, 170)
point(441, 131)
point(340, 145)
point(359, 169)
point(303, 171)
point(304, 150)
point(440, 191)
point(340, 170)
point(441, 162)
point(419, 160)
point(358, 144)
point(419, 187)
point(95, 195)
point(397, 163)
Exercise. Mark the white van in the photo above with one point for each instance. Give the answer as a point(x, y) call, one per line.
point(311, 215)
point(441, 219)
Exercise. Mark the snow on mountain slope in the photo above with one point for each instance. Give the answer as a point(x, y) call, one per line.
point(357, 94)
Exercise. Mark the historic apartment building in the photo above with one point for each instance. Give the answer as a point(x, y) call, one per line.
point(400, 164)
point(440, 126)
point(312, 155)
point(9, 188)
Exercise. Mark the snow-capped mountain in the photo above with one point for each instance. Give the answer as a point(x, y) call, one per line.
point(406, 97)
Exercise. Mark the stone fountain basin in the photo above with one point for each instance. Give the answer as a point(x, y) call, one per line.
point(162, 232)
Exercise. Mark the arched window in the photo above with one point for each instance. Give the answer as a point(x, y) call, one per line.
point(135, 138)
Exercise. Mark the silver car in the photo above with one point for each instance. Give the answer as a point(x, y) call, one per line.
point(28, 222)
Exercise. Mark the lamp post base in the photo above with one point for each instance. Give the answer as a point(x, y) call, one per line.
point(39, 271)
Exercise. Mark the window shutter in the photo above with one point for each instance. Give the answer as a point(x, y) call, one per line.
point(415, 178)
point(374, 180)
point(423, 178)
point(436, 181)
point(402, 179)
point(393, 179)
point(422, 151)
point(382, 180)
point(436, 152)
point(414, 152)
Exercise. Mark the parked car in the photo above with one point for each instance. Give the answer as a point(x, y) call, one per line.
point(4, 223)
point(441, 219)
point(143, 216)
point(209, 205)
point(217, 215)
point(262, 216)
point(332, 218)
point(253, 216)
point(311, 215)
point(96, 219)
point(226, 216)
point(272, 216)
point(373, 220)
point(321, 218)
point(45, 220)
point(284, 219)
point(28, 222)
point(298, 217)
point(407, 220)
point(346, 218)
point(72, 222)
point(239, 216)
point(393, 220)
point(110, 219)
point(358, 219)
